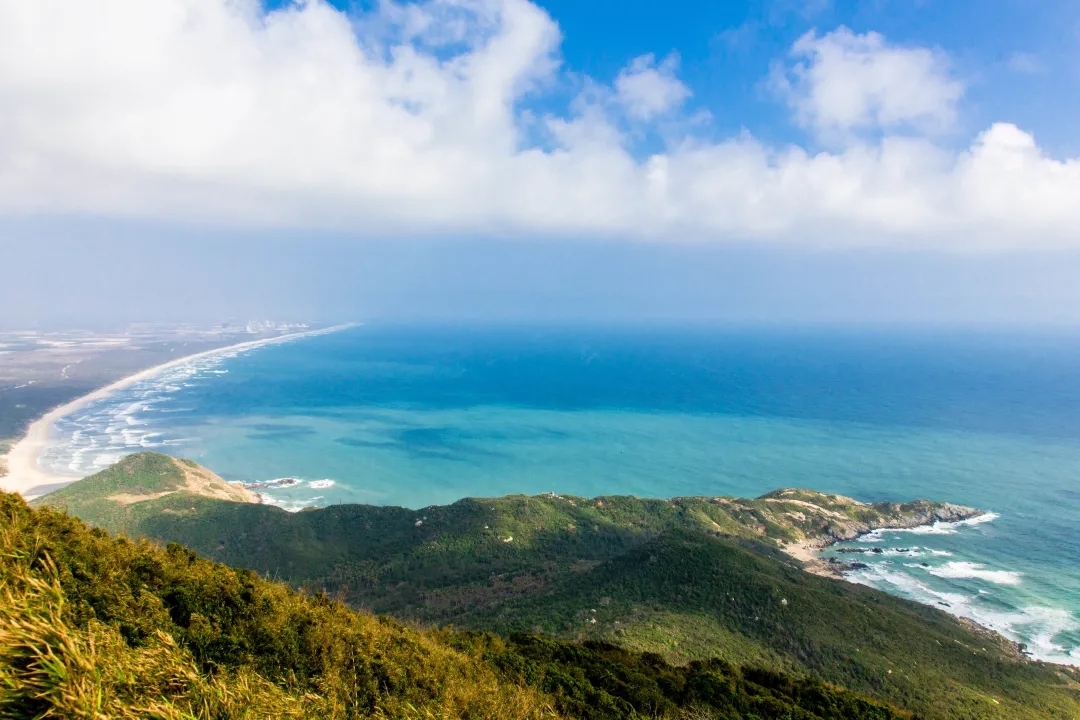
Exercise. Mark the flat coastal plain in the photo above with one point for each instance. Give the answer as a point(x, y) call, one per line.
point(46, 375)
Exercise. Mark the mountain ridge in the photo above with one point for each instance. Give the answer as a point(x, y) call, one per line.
point(688, 578)
point(795, 519)
point(100, 628)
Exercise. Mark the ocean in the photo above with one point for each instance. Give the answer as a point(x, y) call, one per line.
point(417, 416)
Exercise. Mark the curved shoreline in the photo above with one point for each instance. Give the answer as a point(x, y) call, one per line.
point(25, 474)
point(808, 551)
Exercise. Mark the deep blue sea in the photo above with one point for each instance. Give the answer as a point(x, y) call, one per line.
point(419, 416)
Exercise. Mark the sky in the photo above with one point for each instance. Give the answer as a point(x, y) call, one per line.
point(775, 161)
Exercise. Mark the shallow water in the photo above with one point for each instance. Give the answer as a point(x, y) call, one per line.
point(419, 416)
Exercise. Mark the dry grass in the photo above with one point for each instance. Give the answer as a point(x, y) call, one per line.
point(94, 627)
point(49, 669)
point(57, 663)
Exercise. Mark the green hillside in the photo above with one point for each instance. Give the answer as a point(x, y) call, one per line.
point(93, 627)
point(690, 579)
point(122, 491)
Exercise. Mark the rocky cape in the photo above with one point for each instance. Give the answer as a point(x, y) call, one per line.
point(843, 519)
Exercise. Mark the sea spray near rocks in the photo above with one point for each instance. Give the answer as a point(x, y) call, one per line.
point(989, 596)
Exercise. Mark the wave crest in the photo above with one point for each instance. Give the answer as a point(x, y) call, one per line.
point(976, 571)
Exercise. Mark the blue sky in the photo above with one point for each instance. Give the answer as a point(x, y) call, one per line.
point(1022, 59)
point(830, 161)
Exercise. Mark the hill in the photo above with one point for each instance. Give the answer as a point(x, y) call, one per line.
point(108, 496)
point(102, 628)
point(689, 578)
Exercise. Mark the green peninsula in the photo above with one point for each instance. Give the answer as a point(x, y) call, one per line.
point(689, 582)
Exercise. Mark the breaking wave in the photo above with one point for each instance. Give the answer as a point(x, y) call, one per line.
point(976, 571)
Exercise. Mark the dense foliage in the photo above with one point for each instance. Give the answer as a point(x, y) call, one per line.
point(599, 681)
point(97, 627)
point(693, 579)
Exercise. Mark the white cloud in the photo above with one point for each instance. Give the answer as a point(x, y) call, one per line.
point(648, 90)
point(409, 120)
point(842, 81)
point(1025, 63)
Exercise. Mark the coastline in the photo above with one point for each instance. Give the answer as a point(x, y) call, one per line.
point(808, 550)
point(23, 472)
point(808, 553)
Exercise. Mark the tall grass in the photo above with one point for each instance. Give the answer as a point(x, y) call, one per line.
point(94, 627)
point(84, 633)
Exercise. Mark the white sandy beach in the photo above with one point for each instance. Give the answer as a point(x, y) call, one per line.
point(24, 472)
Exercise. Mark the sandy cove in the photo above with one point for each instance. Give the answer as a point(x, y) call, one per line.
point(25, 475)
point(808, 551)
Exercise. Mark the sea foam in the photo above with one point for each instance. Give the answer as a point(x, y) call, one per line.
point(107, 430)
point(291, 505)
point(938, 528)
point(1037, 626)
point(978, 571)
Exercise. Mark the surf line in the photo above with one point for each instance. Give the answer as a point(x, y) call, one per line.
point(24, 473)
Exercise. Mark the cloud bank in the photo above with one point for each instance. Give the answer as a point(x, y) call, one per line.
point(844, 82)
point(424, 119)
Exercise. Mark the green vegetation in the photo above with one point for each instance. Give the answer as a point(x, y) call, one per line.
point(111, 498)
point(98, 627)
point(602, 681)
point(694, 580)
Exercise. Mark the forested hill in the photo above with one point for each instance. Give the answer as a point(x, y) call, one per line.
point(691, 579)
point(97, 628)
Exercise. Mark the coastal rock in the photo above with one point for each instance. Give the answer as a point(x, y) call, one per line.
point(803, 522)
point(834, 518)
point(899, 516)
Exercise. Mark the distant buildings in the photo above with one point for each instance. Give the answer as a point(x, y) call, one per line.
point(260, 327)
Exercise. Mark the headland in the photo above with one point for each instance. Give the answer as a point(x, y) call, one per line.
point(852, 524)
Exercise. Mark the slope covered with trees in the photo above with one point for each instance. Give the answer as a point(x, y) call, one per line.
point(689, 579)
point(97, 627)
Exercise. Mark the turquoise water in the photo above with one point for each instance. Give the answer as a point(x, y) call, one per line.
point(419, 416)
